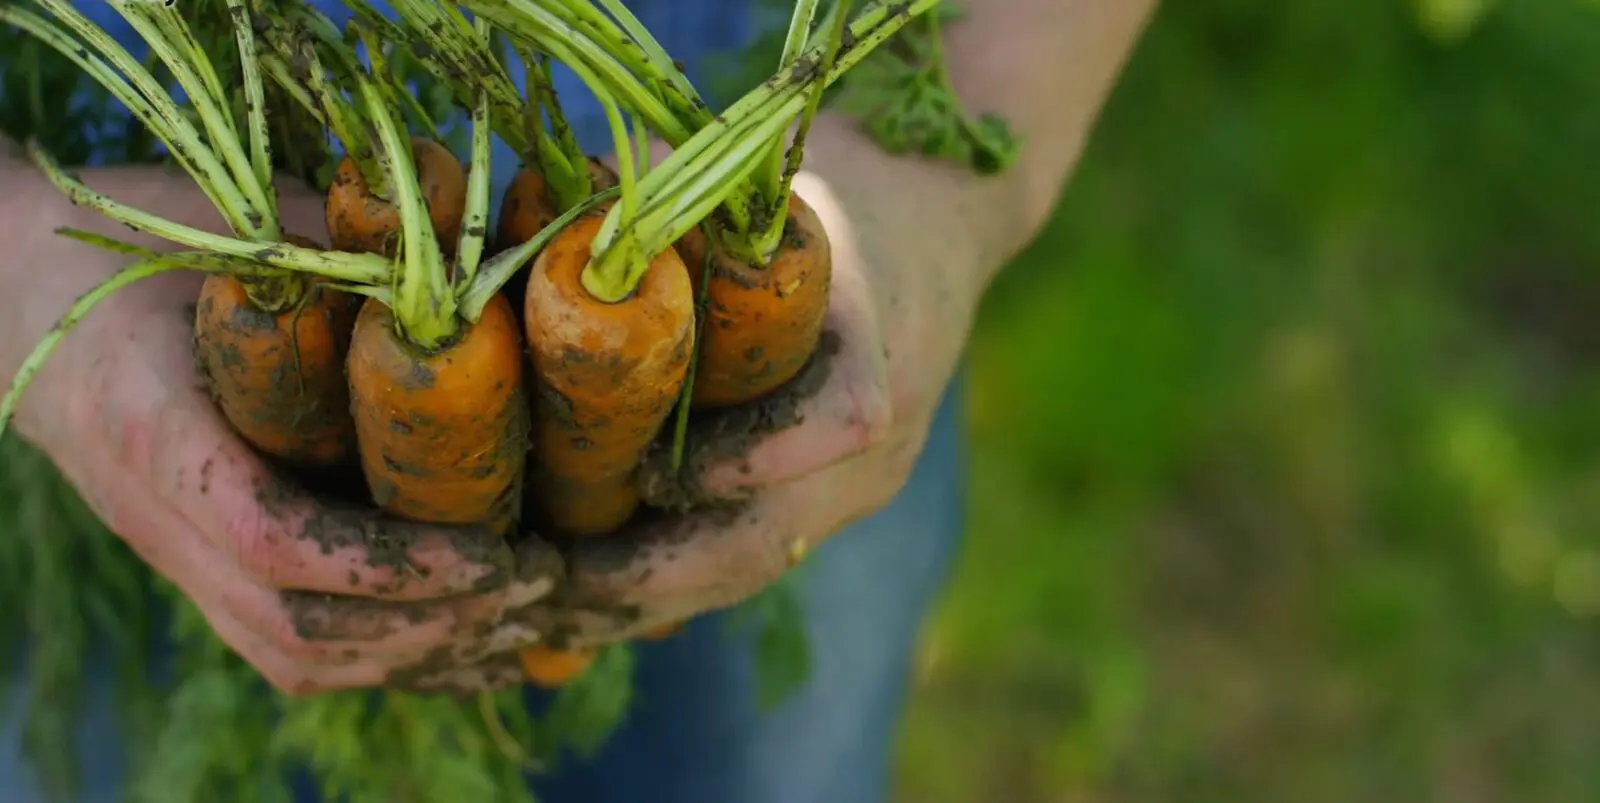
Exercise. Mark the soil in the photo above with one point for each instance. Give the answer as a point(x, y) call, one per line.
point(717, 436)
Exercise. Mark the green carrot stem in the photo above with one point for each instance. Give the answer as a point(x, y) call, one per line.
point(475, 218)
point(659, 65)
point(354, 268)
point(699, 175)
point(101, 241)
point(425, 307)
point(348, 123)
point(493, 274)
point(255, 101)
point(304, 35)
point(559, 127)
point(459, 62)
point(766, 242)
point(102, 58)
point(697, 185)
point(532, 23)
point(86, 303)
point(144, 16)
point(275, 69)
point(177, 32)
point(680, 427)
point(614, 280)
point(794, 44)
point(561, 160)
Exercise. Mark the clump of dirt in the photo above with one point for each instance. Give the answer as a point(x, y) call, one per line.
point(718, 436)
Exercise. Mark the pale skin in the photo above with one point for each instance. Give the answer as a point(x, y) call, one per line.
point(121, 411)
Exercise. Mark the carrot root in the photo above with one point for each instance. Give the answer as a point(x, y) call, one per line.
point(279, 378)
point(360, 221)
point(553, 669)
point(762, 324)
point(606, 376)
point(442, 436)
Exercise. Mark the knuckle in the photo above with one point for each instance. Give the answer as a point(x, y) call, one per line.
point(283, 633)
point(255, 540)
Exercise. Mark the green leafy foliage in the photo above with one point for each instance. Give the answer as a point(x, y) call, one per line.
point(902, 95)
point(782, 645)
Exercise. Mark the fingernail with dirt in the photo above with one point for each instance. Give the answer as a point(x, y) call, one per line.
point(328, 618)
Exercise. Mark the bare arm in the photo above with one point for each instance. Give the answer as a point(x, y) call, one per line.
point(939, 232)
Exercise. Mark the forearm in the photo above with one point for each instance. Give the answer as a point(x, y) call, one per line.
point(932, 235)
point(1046, 67)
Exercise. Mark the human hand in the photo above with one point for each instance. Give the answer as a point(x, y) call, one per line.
point(315, 596)
point(850, 430)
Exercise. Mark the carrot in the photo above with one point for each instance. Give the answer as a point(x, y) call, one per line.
point(271, 347)
point(553, 668)
point(360, 219)
point(607, 373)
point(770, 261)
point(443, 433)
point(278, 377)
point(436, 379)
point(762, 322)
point(529, 205)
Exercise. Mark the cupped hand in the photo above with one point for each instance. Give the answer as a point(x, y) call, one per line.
point(315, 596)
point(849, 431)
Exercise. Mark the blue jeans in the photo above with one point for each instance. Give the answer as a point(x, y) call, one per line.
point(696, 734)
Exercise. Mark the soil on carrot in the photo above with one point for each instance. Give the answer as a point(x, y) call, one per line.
point(717, 436)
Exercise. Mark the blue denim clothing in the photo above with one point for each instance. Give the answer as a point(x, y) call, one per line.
point(696, 733)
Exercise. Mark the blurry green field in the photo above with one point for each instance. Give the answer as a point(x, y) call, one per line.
point(1287, 431)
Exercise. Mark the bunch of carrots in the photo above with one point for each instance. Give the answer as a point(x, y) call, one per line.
point(517, 380)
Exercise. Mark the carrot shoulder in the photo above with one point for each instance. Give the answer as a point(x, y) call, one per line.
point(443, 435)
point(528, 205)
point(606, 376)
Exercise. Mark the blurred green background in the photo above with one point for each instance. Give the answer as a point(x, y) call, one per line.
point(1287, 431)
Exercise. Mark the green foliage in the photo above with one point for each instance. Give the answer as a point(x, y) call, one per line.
point(902, 95)
point(1284, 432)
point(782, 645)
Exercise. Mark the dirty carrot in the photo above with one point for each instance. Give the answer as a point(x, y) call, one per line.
point(237, 258)
point(552, 668)
point(279, 377)
point(309, 57)
point(771, 264)
point(270, 346)
point(548, 183)
point(767, 287)
point(361, 218)
point(610, 342)
point(437, 389)
point(529, 205)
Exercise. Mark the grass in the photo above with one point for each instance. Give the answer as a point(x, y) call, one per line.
point(1316, 520)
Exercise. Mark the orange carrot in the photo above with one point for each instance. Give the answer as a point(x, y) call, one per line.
point(359, 220)
point(278, 375)
point(762, 322)
point(443, 434)
point(607, 375)
point(529, 206)
point(436, 378)
point(552, 668)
